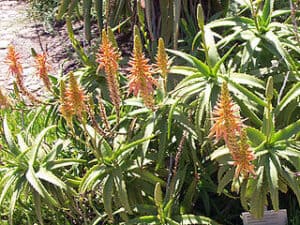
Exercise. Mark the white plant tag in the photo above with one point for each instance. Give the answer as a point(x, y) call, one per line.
point(271, 217)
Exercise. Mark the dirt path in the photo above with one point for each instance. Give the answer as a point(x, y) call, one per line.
point(17, 29)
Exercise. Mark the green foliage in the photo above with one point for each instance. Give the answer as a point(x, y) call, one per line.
point(29, 167)
point(44, 10)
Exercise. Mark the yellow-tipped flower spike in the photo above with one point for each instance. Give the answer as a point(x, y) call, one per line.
point(226, 116)
point(162, 58)
point(111, 37)
point(42, 69)
point(141, 80)
point(13, 61)
point(228, 126)
point(108, 58)
point(75, 96)
point(65, 108)
point(243, 157)
point(16, 69)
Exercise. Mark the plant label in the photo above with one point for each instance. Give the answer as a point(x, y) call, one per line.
point(271, 217)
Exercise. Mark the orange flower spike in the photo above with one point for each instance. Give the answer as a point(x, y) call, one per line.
point(43, 68)
point(226, 116)
point(65, 106)
point(108, 55)
point(243, 157)
point(16, 69)
point(108, 58)
point(13, 61)
point(76, 96)
point(140, 77)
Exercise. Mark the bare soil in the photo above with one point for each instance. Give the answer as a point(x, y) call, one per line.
point(24, 33)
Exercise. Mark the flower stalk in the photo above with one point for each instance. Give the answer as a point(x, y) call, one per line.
point(141, 80)
point(73, 100)
point(16, 70)
point(108, 59)
point(229, 127)
point(42, 69)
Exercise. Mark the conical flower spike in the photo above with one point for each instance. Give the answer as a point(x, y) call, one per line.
point(65, 106)
point(76, 96)
point(16, 69)
point(228, 126)
point(42, 68)
point(162, 59)
point(13, 61)
point(140, 77)
point(243, 157)
point(162, 62)
point(108, 58)
point(226, 116)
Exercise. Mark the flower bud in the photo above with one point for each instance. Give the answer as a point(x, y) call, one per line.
point(200, 16)
point(269, 89)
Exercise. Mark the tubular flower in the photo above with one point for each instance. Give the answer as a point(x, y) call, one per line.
point(228, 125)
point(140, 77)
point(16, 69)
point(75, 96)
point(243, 157)
point(65, 105)
point(43, 68)
point(226, 116)
point(108, 58)
point(13, 61)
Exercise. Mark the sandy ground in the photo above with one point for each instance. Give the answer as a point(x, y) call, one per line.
point(18, 29)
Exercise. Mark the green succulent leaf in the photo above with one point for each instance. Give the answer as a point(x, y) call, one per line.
point(38, 206)
point(201, 66)
point(15, 195)
point(286, 132)
point(93, 177)
point(36, 145)
point(194, 219)
point(7, 182)
point(144, 220)
point(121, 189)
point(108, 189)
point(272, 177)
point(38, 186)
point(267, 12)
point(130, 146)
point(46, 175)
point(256, 137)
point(292, 94)
point(258, 199)
point(9, 138)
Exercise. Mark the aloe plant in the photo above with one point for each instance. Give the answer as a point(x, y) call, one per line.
point(261, 31)
point(30, 167)
point(204, 78)
point(277, 161)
